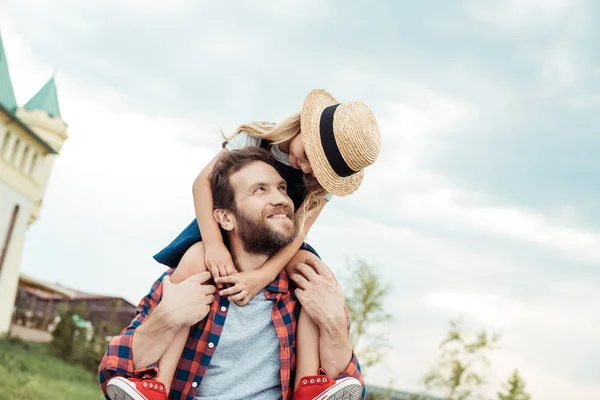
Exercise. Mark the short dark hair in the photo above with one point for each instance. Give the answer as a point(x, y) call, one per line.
point(228, 164)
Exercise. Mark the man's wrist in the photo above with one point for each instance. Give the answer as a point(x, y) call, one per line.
point(165, 319)
point(334, 326)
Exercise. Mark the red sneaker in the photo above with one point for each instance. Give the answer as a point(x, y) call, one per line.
point(321, 387)
point(119, 388)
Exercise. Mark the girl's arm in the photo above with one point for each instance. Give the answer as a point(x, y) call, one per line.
point(247, 284)
point(217, 257)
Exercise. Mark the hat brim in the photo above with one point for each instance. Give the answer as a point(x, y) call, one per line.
point(310, 118)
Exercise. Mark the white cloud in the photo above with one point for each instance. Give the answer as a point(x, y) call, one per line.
point(527, 15)
point(460, 208)
point(559, 68)
point(489, 309)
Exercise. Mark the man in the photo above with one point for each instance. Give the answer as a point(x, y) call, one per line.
point(246, 366)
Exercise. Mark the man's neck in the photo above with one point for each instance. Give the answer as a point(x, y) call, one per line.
point(243, 260)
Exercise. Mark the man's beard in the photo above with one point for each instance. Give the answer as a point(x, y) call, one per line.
point(258, 237)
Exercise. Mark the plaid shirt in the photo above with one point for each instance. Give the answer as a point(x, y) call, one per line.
point(204, 338)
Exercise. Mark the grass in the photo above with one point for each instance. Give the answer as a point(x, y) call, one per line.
point(28, 371)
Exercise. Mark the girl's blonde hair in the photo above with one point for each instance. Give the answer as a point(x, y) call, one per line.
point(279, 133)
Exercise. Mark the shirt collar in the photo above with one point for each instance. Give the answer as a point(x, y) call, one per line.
point(281, 284)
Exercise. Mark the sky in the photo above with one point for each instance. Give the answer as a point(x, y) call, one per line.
point(482, 204)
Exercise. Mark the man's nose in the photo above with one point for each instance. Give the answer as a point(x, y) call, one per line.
point(280, 197)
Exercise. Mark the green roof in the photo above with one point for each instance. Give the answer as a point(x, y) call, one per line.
point(46, 99)
point(7, 94)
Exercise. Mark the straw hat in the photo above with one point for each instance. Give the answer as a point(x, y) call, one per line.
point(340, 140)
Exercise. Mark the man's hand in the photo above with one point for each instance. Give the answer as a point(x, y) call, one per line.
point(322, 299)
point(188, 302)
point(320, 293)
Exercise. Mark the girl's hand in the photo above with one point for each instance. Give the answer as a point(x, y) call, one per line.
point(218, 261)
point(246, 285)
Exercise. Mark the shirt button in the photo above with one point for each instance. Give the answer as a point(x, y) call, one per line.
point(211, 345)
point(195, 384)
point(223, 308)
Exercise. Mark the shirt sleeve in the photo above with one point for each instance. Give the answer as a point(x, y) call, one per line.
point(241, 141)
point(353, 370)
point(118, 359)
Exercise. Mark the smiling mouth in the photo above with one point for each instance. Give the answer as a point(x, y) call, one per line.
point(278, 216)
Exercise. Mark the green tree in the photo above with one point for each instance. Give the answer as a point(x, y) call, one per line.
point(63, 341)
point(515, 388)
point(460, 368)
point(366, 291)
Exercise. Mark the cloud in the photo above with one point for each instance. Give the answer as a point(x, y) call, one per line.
point(526, 15)
point(559, 69)
point(480, 203)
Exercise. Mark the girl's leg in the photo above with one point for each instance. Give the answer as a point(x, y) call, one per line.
point(307, 333)
point(167, 365)
point(192, 263)
point(307, 348)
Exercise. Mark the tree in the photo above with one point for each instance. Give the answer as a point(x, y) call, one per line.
point(366, 291)
point(63, 341)
point(459, 370)
point(515, 388)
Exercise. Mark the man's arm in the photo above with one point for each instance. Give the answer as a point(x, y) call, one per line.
point(119, 359)
point(136, 351)
point(337, 356)
point(322, 298)
point(334, 347)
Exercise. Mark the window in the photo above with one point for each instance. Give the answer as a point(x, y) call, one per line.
point(23, 164)
point(9, 232)
point(33, 164)
point(15, 151)
point(5, 141)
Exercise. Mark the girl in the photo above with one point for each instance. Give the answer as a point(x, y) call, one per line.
point(319, 152)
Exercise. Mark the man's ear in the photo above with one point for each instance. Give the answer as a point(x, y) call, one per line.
point(224, 218)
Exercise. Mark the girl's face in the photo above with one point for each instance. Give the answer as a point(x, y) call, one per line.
point(297, 156)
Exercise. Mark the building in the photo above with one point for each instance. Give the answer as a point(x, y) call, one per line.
point(31, 137)
point(37, 306)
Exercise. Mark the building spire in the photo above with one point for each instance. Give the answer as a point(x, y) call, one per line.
point(46, 99)
point(7, 94)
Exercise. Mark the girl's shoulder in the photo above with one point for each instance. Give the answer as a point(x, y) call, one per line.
point(241, 141)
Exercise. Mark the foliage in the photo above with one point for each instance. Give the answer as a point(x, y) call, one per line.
point(515, 388)
point(63, 341)
point(461, 364)
point(366, 291)
point(72, 342)
point(30, 371)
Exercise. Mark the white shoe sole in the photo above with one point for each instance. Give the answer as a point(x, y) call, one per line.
point(121, 389)
point(344, 389)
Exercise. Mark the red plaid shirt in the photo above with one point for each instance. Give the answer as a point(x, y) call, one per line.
point(204, 338)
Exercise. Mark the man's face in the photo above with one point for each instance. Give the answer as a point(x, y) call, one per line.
point(264, 214)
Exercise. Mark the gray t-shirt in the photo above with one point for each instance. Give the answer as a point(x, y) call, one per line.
point(246, 361)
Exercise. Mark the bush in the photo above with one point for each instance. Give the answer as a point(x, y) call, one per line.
point(71, 341)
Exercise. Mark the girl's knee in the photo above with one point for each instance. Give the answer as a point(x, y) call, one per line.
point(300, 257)
point(191, 263)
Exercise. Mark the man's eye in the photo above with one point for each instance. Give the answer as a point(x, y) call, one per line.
point(259, 189)
point(283, 188)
